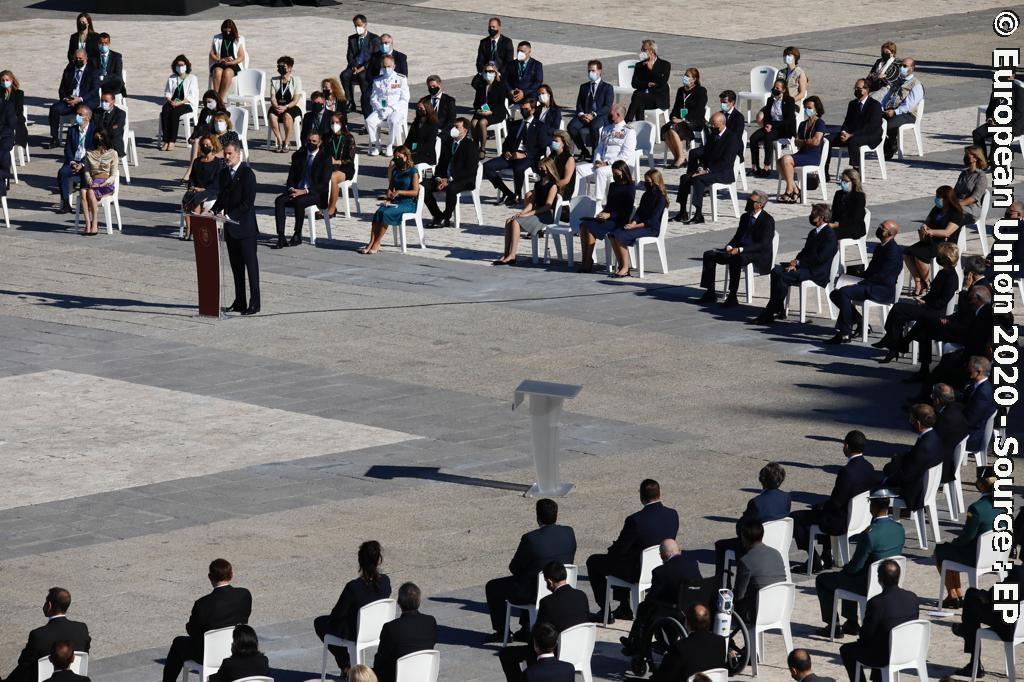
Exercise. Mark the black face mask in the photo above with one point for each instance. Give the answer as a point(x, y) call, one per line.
point(312, 147)
point(750, 207)
point(777, 93)
point(880, 233)
point(858, 93)
point(316, 106)
point(492, 32)
point(282, 69)
point(811, 221)
point(83, 26)
point(207, 150)
point(433, 90)
point(79, 63)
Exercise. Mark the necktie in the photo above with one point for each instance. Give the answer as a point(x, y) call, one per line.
point(309, 171)
point(494, 49)
point(78, 78)
point(103, 65)
point(590, 97)
point(451, 161)
point(433, 104)
point(360, 43)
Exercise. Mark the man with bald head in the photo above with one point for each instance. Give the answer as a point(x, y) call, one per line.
point(78, 85)
point(700, 650)
point(878, 283)
point(899, 104)
point(666, 581)
point(714, 163)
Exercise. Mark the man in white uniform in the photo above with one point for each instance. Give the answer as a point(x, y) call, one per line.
point(617, 143)
point(389, 99)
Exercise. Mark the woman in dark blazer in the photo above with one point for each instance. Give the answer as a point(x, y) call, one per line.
point(85, 38)
point(776, 121)
point(341, 146)
point(943, 224)
point(646, 221)
point(650, 82)
point(848, 207)
point(423, 134)
point(687, 116)
point(488, 105)
point(245, 659)
point(549, 113)
point(618, 208)
point(13, 96)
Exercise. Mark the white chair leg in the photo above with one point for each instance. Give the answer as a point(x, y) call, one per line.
point(735, 200)
point(323, 666)
point(106, 214)
point(933, 517)
point(607, 602)
point(663, 256)
point(1011, 669)
point(508, 619)
point(640, 266)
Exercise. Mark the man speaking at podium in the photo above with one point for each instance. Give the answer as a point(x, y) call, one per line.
point(236, 200)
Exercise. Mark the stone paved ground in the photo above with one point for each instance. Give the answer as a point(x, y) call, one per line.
point(372, 396)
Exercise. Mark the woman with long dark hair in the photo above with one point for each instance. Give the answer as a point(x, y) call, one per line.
point(245, 660)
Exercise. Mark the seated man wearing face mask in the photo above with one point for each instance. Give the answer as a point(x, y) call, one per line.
point(752, 243)
point(389, 99)
point(309, 184)
point(899, 104)
point(443, 105)
point(617, 142)
point(862, 126)
point(387, 47)
point(111, 118)
point(110, 67)
point(455, 172)
point(713, 163)
point(78, 85)
point(78, 142)
point(317, 118)
point(523, 76)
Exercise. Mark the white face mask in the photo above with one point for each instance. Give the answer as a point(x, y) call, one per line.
point(360, 30)
point(543, 97)
point(905, 72)
point(790, 60)
point(8, 83)
point(105, 106)
point(336, 127)
point(221, 126)
point(521, 56)
point(686, 81)
point(182, 69)
point(211, 105)
point(643, 56)
point(593, 76)
point(489, 76)
point(454, 132)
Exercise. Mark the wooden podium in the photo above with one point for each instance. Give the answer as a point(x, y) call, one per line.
point(208, 236)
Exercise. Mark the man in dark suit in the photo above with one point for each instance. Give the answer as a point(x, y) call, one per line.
point(309, 184)
point(226, 605)
point(970, 326)
point(455, 172)
point(58, 628)
point(979, 609)
point(862, 126)
point(814, 262)
point(523, 75)
point(316, 118)
point(236, 201)
point(62, 656)
point(642, 529)
point(111, 118)
point(78, 85)
point(831, 516)
point(547, 668)
point(549, 542)
point(752, 243)
point(799, 662)
point(979, 401)
point(700, 650)
point(362, 45)
point(79, 141)
point(411, 631)
point(496, 48)
point(110, 68)
point(593, 104)
point(878, 283)
point(894, 606)
point(387, 47)
point(520, 151)
point(443, 105)
point(760, 566)
point(734, 118)
point(649, 82)
point(906, 472)
point(1009, 85)
point(565, 607)
point(713, 163)
point(663, 597)
point(771, 504)
point(950, 424)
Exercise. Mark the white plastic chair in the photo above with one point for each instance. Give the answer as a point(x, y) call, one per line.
point(535, 237)
point(874, 588)
point(860, 244)
point(646, 137)
point(868, 305)
point(626, 68)
point(576, 646)
point(761, 80)
point(1017, 639)
point(105, 202)
point(749, 275)
point(351, 184)
point(580, 207)
point(312, 220)
point(916, 128)
point(419, 666)
point(572, 573)
point(372, 618)
point(908, 650)
point(636, 252)
point(954, 490)
point(878, 150)
point(661, 117)
point(818, 170)
point(500, 131)
point(981, 224)
point(248, 88)
point(416, 218)
point(296, 123)
point(474, 195)
point(715, 675)
point(809, 285)
point(986, 559)
point(187, 122)
point(739, 173)
point(7, 217)
point(778, 535)
point(774, 611)
point(931, 507)
point(981, 456)
point(79, 666)
point(216, 647)
point(858, 518)
point(649, 560)
point(240, 124)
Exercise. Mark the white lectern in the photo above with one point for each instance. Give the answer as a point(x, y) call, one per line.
point(545, 410)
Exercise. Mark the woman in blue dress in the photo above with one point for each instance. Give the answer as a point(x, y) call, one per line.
point(618, 208)
point(646, 221)
point(403, 190)
point(809, 137)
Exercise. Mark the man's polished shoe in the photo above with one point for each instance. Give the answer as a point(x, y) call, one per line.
point(826, 632)
point(512, 201)
point(235, 308)
point(296, 240)
point(697, 219)
point(679, 217)
point(493, 638)
point(730, 301)
point(447, 222)
point(623, 612)
point(251, 310)
point(708, 297)
point(64, 208)
point(851, 627)
point(764, 318)
point(521, 635)
point(281, 244)
point(838, 339)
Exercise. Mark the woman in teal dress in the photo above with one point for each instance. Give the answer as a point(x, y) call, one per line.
point(403, 190)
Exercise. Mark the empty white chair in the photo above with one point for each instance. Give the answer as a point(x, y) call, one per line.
point(79, 666)
point(576, 646)
point(105, 202)
point(311, 220)
point(715, 675)
point(774, 611)
point(985, 633)
point(915, 127)
point(240, 124)
point(649, 560)
point(954, 490)
point(761, 79)
point(931, 507)
point(646, 137)
point(908, 650)
point(416, 218)
point(419, 666)
point(371, 619)
point(749, 274)
point(625, 73)
point(874, 588)
point(981, 223)
point(858, 518)
point(216, 647)
point(986, 560)
point(248, 88)
point(860, 244)
point(778, 535)
point(474, 195)
point(809, 285)
point(580, 207)
point(572, 572)
point(867, 306)
point(661, 117)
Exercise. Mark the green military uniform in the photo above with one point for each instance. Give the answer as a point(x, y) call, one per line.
point(883, 538)
point(964, 547)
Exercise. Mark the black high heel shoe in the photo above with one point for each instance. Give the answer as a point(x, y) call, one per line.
point(889, 357)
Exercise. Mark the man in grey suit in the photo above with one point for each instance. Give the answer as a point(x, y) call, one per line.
point(761, 566)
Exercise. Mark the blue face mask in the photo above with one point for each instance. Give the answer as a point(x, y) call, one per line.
point(489, 76)
point(387, 72)
point(593, 76)
point(808, 112)
point(104, 49)
point(844, 185)
point(938, 203)
point(385, 48)
point(79, 119)
point(725, 107)
point(905, 73)
point(556, 147)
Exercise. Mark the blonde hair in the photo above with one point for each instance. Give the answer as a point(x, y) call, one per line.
point(853, 175)
point(564, 138)
point(947, 254)
point(15, 85)
point(654, 175)
point(979, 156)
point(361, 673)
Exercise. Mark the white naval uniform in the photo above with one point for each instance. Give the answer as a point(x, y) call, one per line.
point(617, 143)
point(389, 99)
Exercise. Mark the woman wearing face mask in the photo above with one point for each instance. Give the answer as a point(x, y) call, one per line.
point(422, 136)
point(776, 121)
point(222, 128)
point(561, 150)
point(646, 221)
point(943, 224)
point(972, 183)
point(650, 82)
point(227, 54)
point(340, 145)
point(400, 197)
point(687, 116)
point(489, 106)
point(548, 112)
point(85, 38)
point(809, 135)
point(181, 95)
point(205, 182)
point(11, 95)
point(795, 77)
point(100, 169)
point(848, 207)
point(618, 208)
point(538, 211)
point(210, 104)
point(885, 69)
point(334, 97)
point(285, 96)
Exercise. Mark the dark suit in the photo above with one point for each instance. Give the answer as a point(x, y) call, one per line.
point(318, 120)
point(551, 117)
point(906, 472)
point(224, 606)
point(410, 632)
point(65, 175)
point(112, 121)
point(978, 610)
point(848, 209)
point(460, 170)
point(642, 529)
point(767, 505)
point(41, 639)
point(237, 199)
point(814, 262)
point(526, 76)
point(864, 124)
point(549, 669)
point(316, 178)
point(237, 668)
point(533, 138)
point(500, 51)
point(595, 99)
point(735, 121)
point(952, 428)
point(781, 129)
point(755, 240)
point(894, 606)
point(690, 655)
point(359, 53)
point(666, 582)
point(109, 73)
point(718, 158)
point(445, 110)
point(563, 608)
point(15, 100)
point(646, 97)
point(8, 138)
point(343, 620)
point(831, 516)
point(884, 538)
point(979, 405)
point(88, 91)
point(760, 566)
point(878, 284)
point(92, 46)
point(67, 676)
point(982, 132)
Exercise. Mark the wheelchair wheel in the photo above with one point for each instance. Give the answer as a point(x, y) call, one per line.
point(738, 646)
point(663, 632)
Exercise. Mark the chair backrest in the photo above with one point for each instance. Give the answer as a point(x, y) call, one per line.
point(355, 168)
point(626, 73)
point(986, 205)
point(823, 162)
point(1018, 631)
point(920, 112)
point(419, 666)
point(644, 136)
point(79, 666)
point(833, 271)
point(373, 616)
point(217, 646)
point(576, 644)
point(867, 222)
point(775, 603)
point(437, 149)
point(663, 228)
point(778, 535)
point(858, 514)
point(650, 559)
point(986, 555)
point(931, 483)
point(239, 120)
point(761, 78)
point(775, 247)
point(909, 642)
point(960, 456)
point(581, 207)
point(715, 675)
point(875, 587)
point(251, 82)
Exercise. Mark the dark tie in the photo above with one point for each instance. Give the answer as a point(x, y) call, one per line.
point(433, 104)
point(309, 171)
point(968, 391)
point(590, 97)
point(359, 42)
point(451, 161)
point(494, 49)
point(78, 78)
point(103, 65)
